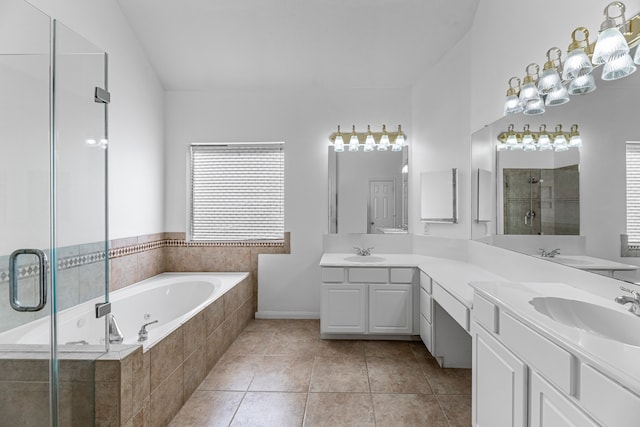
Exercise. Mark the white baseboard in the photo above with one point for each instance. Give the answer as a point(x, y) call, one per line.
point(287, 315)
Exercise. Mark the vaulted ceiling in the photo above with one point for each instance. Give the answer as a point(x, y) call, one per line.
point(212, 44)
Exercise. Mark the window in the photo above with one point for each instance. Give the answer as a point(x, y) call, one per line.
point(633, 194)
point(236, 192)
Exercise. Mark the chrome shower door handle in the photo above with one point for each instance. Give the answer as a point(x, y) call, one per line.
point(42, 280)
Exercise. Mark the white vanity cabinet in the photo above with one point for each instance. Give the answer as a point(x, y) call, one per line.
point(368, 301)
point(499, 383)
point(522, 378)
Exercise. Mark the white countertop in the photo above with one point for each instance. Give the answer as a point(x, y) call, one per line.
point(618, 360)
point(454, 276)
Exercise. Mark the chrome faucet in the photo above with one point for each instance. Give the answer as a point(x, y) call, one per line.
point(362, 251)
point(115, 334)
point(143, 333)
point(550, 254)
point(634, 300)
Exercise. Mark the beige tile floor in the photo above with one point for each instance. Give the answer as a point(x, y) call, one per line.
point(280, 373)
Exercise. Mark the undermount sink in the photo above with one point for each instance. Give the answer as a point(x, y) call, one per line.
point(367, 258)
point(594, 319)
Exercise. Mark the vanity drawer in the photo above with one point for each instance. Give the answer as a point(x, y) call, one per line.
point(425, 332)
point(425, 282)
point(425, 304)
point(553, 362)
point(368, 275)
point(401, 275)
point(333, 274)
point(455, 308)
point(485, 313)
point(608, 401)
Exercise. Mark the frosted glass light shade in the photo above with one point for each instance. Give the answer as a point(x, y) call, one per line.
point(575, 141)
point(384, 143)
point(617, 68)
point(399, 143)
point(512, 141)
point(517, 147)
point(530, 147)
point(560, 143)
point(557, 97)
point(611, 44)
point(529, 93)
point(512, 105)
point(534, 107)
point(338, 144)
point(582, 85)
point(544, 143)
point(354, 144)
point(549, 81)
point(576, 65)
point(369, 143)
point(501, 146)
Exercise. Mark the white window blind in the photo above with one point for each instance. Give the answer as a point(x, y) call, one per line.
point(633, 193)
point(237, 192)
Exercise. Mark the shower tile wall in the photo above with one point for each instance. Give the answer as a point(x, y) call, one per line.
point(556, 201)
point(81, 269)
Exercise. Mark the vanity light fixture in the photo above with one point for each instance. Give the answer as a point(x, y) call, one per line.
point(550, 79)
point(338, 142)
point(550, 85)
point(512, 104)
point(542, 140)
point(611, 50)
point(399, 141)
point(354, 144)
point(384, 143)
point(528, 142)
point(369, 142)
point(380, 141)
point(575, 140)
point(560, 142)
point(529, 94)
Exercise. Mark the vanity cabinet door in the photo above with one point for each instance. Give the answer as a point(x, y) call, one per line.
point(390, 309)
point(499, 383)
point(549, 408)
point(343, 308)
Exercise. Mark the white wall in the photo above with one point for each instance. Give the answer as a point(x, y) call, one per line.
point(441, 136)
point(289, 284)
point(135, 115)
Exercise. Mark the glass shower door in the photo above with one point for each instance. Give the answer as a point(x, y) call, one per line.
point(53, 219)
point(27, 391)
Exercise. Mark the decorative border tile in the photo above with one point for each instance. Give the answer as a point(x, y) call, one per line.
point(28, 271)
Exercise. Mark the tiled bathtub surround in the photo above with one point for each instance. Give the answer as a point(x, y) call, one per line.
point(131, 387)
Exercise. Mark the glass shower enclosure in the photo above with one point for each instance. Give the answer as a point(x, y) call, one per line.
point(53, 216)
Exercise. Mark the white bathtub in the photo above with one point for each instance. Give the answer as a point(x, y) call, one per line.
point(170, 298)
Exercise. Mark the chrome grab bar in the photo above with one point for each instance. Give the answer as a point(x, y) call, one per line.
point(42, 280)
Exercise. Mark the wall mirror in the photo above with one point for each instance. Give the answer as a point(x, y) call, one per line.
point(368, 192)
point(588, 195)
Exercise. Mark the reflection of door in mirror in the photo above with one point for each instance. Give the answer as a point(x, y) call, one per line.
point(382, 205)
point(541, 201)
